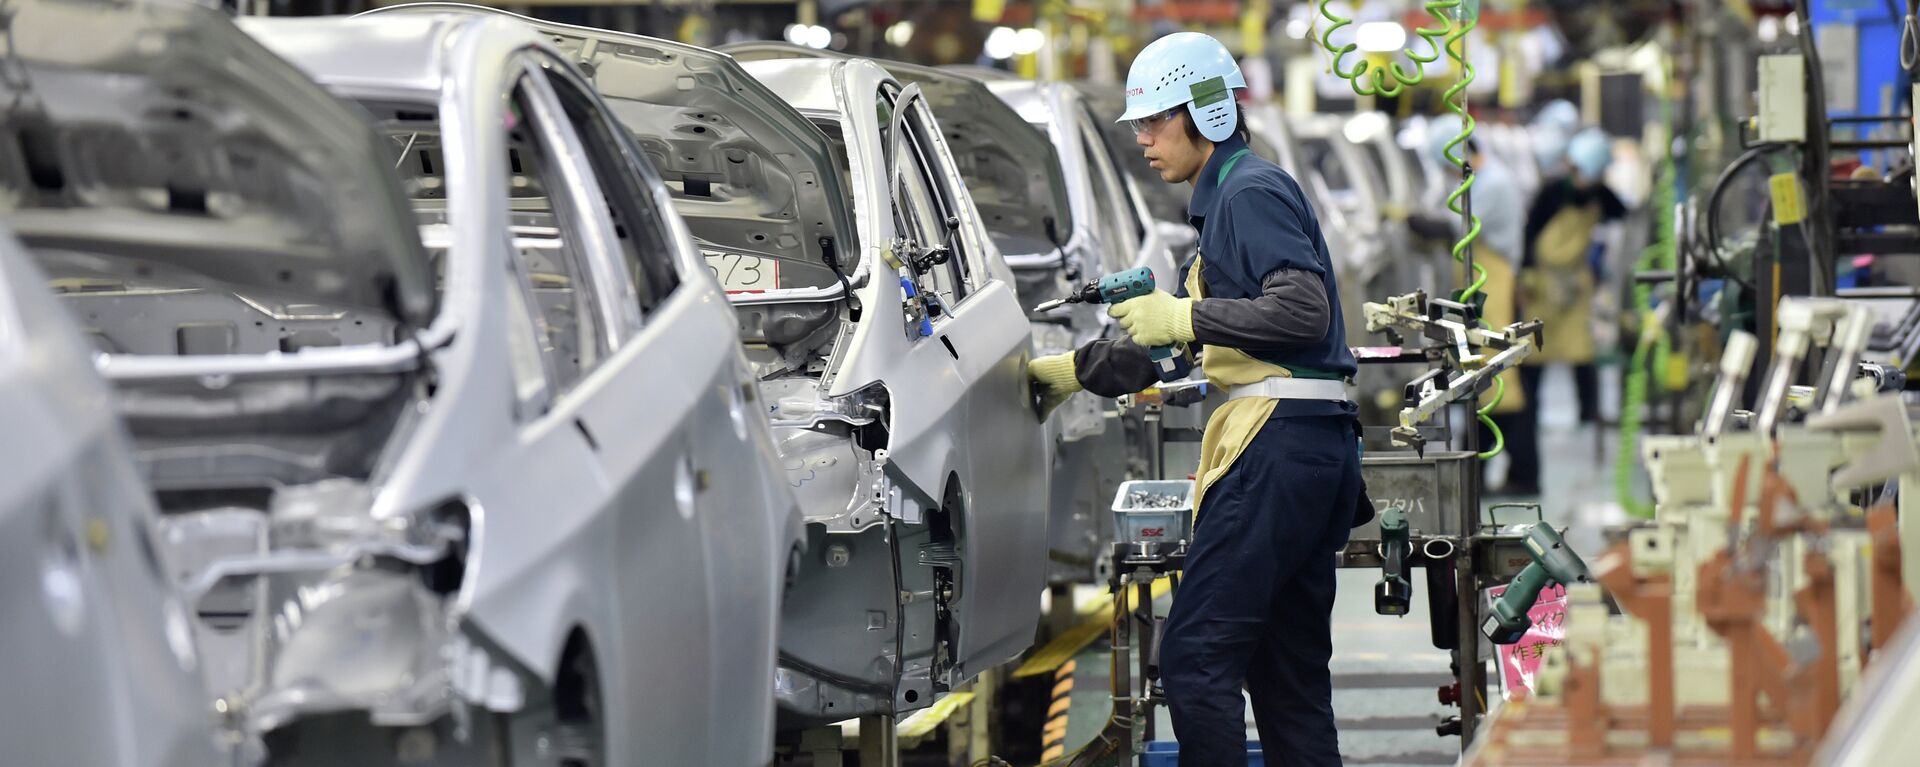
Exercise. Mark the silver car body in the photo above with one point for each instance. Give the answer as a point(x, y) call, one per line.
point(644, 509)
point(1435, 176)
point(959, 474)
point(417, 500)
point(101, 669)
point(1108, 211)
point(1062, 214)
point(918, 460)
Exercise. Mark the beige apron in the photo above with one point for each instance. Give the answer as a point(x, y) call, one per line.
point(1559, 286)
point(1232, 426)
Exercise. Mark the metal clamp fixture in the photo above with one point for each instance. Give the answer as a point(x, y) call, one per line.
point(1473, 357)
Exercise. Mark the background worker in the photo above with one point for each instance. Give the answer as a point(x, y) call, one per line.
point(1278, 484)
point(1562, 265)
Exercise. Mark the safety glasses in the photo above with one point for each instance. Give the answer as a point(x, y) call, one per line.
point(1151, 123)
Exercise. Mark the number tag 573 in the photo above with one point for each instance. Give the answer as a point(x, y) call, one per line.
point(739, 273)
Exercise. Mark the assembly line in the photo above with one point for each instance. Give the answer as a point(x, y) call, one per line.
point(1198, 383)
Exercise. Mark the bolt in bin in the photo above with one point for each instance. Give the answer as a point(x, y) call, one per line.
point(1143, 524)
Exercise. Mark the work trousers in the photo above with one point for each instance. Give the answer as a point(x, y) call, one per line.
point(1255, 605)
point(1522, 430)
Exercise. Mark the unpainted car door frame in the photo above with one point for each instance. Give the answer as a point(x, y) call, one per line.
point(653, 537)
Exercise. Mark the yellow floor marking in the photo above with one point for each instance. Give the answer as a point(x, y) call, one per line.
point(920, 723)
point(1070, 642)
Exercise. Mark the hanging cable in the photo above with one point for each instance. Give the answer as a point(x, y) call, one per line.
point(1652, 341)
point(1449, 33)
point(1369, 80)
point(1460, 201)
point(1909, 36)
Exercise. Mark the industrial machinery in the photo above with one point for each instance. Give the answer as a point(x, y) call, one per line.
point(1429, 508)
point(1757, 596)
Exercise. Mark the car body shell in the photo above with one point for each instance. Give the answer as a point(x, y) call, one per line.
point(966, 456)
point(662, 538)
point(1024, 146)
point(951, 408)
point(500, 523)
point(93, 622)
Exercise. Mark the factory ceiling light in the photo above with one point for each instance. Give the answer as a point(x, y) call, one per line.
point(1000, 43)
point(900, 34)
point(1029, 41)
point(1365, 126)
point(1381, 36)
point(819, 37)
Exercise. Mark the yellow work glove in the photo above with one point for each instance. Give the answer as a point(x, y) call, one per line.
point(1156, 319)
point(1054, 372)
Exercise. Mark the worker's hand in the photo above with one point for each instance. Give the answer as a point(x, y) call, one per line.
point(1054, 375)
point(1156, 319)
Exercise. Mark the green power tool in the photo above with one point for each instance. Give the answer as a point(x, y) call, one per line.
point(1553, 562)
point(1393, 595)
point(1115, 288)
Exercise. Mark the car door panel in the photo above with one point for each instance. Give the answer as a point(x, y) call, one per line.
point(1003, 525)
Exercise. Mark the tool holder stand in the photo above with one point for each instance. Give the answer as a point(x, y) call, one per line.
point(1439, 492)
point(1135, 567)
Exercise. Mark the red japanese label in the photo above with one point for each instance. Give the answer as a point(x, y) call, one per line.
point(1520, 661)
point(1153, 532)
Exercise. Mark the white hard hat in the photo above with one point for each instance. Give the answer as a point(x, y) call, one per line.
point(1186, 68)
point(1559, 113)
point(1591, 152)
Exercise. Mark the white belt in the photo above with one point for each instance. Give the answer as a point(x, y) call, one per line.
point(1292, 388)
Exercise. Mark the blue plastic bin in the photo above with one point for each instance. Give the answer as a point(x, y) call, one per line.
point(1166, 753)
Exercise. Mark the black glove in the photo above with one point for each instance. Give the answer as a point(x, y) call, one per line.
point(1430, 226)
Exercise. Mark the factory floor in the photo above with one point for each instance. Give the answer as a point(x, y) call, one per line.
point(1385, 669)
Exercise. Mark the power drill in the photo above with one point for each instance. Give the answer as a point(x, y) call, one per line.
point(1393, 595)
point(1115, 288)
point(1553, 562)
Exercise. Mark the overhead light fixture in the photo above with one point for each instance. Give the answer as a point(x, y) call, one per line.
point(1366, 126)
point(819, 37)
point(1000, 43)
point(1029, 41)
point(900, 34)
point(1768, 28)
point(1298, 28)
point(797, 34)
point(1380, 36)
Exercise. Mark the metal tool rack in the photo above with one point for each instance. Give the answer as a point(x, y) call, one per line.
point(1440, 494)
point(1137, 565)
